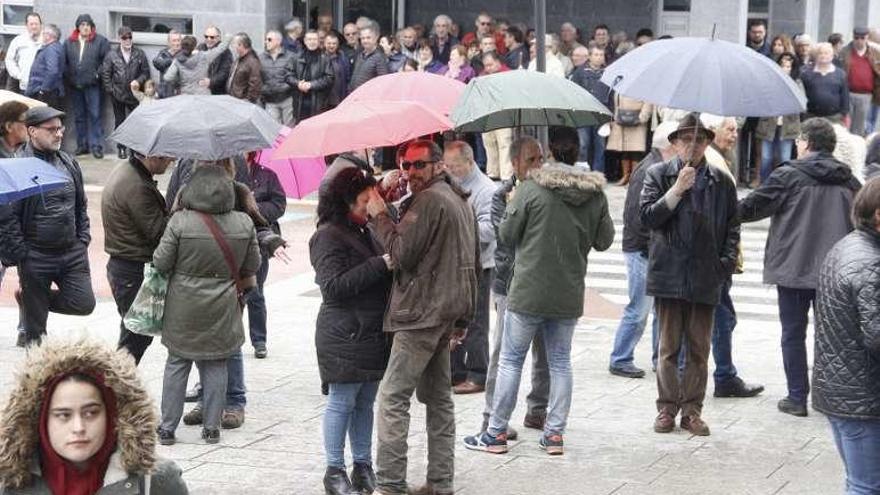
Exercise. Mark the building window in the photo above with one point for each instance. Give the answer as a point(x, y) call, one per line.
point(759, 7)
point(14, 15)
point(676, 5)
point(151, 29)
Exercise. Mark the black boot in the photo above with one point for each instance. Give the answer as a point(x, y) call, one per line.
point(121, 152)
point(336, 482)
point(363, 479)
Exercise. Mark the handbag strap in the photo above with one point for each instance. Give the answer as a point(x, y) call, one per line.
point(224, 247)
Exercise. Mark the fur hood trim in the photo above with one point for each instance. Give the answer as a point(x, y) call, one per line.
point(575, 185)
point(19, 432)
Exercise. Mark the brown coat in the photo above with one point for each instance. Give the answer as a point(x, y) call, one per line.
point(630, 139)
point(874, 58)
point(436, 251)
point(246, 81)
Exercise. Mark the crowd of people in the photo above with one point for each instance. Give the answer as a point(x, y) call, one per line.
point(410, 262)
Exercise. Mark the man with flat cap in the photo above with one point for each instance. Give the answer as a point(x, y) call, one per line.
point(691, 211)
point(862, 65)
point(47, 235)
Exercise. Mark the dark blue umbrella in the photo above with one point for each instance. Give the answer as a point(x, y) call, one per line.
point(705, 75)
point(23, 177)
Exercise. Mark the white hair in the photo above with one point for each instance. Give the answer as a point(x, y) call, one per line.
point(715, 122)
point(443, 17)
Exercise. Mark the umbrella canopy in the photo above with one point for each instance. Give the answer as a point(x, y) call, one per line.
point(436, 92)
point(7, 96)
point(298, 176)
point(198, 127)
point(705, 75)
point(23, 177)
point(522, 98)
point(361, 125)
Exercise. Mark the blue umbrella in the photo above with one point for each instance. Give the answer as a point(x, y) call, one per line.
point(705, 75)
point(23, 177)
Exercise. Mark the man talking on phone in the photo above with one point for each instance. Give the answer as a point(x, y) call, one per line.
point(691, 210)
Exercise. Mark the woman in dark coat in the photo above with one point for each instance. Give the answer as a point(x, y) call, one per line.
point(355, 278)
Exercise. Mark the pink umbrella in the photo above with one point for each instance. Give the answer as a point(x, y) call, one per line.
point(360, 125)
point(298, 176)
point(437, 92)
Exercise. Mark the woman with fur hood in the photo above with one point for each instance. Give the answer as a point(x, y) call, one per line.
point(79, 421)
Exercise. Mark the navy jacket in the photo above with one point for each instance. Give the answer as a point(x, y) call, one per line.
point(47, 72)
point(85, 72)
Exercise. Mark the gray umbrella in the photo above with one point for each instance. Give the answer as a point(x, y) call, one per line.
point(198, 127)
point(705, 75)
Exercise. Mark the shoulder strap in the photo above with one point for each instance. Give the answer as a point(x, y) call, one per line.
point(224, 247)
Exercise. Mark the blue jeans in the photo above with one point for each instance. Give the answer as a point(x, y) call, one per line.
point(87, 115)
point(635, 314)
point(349, 410)
point(519, 331)
point(871, 124)
point(722, 336)
point(858, 442)
point(256, 306)
point(590, 136)
point(772, 148)
point(235, 389)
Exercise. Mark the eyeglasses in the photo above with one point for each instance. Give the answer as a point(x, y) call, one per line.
point(485, 23)
point(53, 130)
point(125, 38)
point(417, 164)
point(209, 37)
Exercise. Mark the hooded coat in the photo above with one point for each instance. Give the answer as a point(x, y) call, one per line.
point(202, 315)
point(187, 70)
point(134, 463)
point(558, 214)
point(809, 202)
point(85, 71)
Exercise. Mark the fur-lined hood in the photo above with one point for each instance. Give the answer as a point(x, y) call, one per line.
point(573, 185)
point(136, 413)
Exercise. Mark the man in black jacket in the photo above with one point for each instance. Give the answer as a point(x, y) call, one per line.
point(272, 202)
point(635, 251)
point(690, 209)
point(314, 78)
point(134, 215)
point(163, 61)
point(276, 69)
point(369, 62)
point(85, 50)
point(47, 235)
point(809, 201)
point(123, 65)
point(221, 67)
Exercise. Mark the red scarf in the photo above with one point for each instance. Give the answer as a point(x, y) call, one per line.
point(74, 36)
point(359, 220)
point(62, 476)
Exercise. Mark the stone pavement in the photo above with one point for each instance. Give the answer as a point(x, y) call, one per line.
point(610, 446)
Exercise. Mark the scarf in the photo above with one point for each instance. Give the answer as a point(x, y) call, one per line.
point(61, 475)
point(74, 36)
point(311, 56)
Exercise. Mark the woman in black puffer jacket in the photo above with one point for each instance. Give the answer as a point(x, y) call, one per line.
point(846, 372)
point(355, 279)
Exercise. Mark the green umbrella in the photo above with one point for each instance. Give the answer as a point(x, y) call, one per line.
point(525, 98)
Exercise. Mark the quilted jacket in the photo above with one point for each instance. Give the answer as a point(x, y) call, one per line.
point(846, 372)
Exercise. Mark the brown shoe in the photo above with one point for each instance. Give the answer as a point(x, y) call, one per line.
point(232, 419)
point(535, 421)
point(194, 416)
point(695, 425)
point(468, 388)
point(427, 489)
point(664, 423)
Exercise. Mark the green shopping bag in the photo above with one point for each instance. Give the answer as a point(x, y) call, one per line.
point(146, 312)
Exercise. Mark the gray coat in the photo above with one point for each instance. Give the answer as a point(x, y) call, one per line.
point(202, 316)
point(367, 67)
point(809, 201)
point(186, 72)
point(481, 189)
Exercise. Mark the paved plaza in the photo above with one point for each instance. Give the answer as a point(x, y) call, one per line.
point(610, 445)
